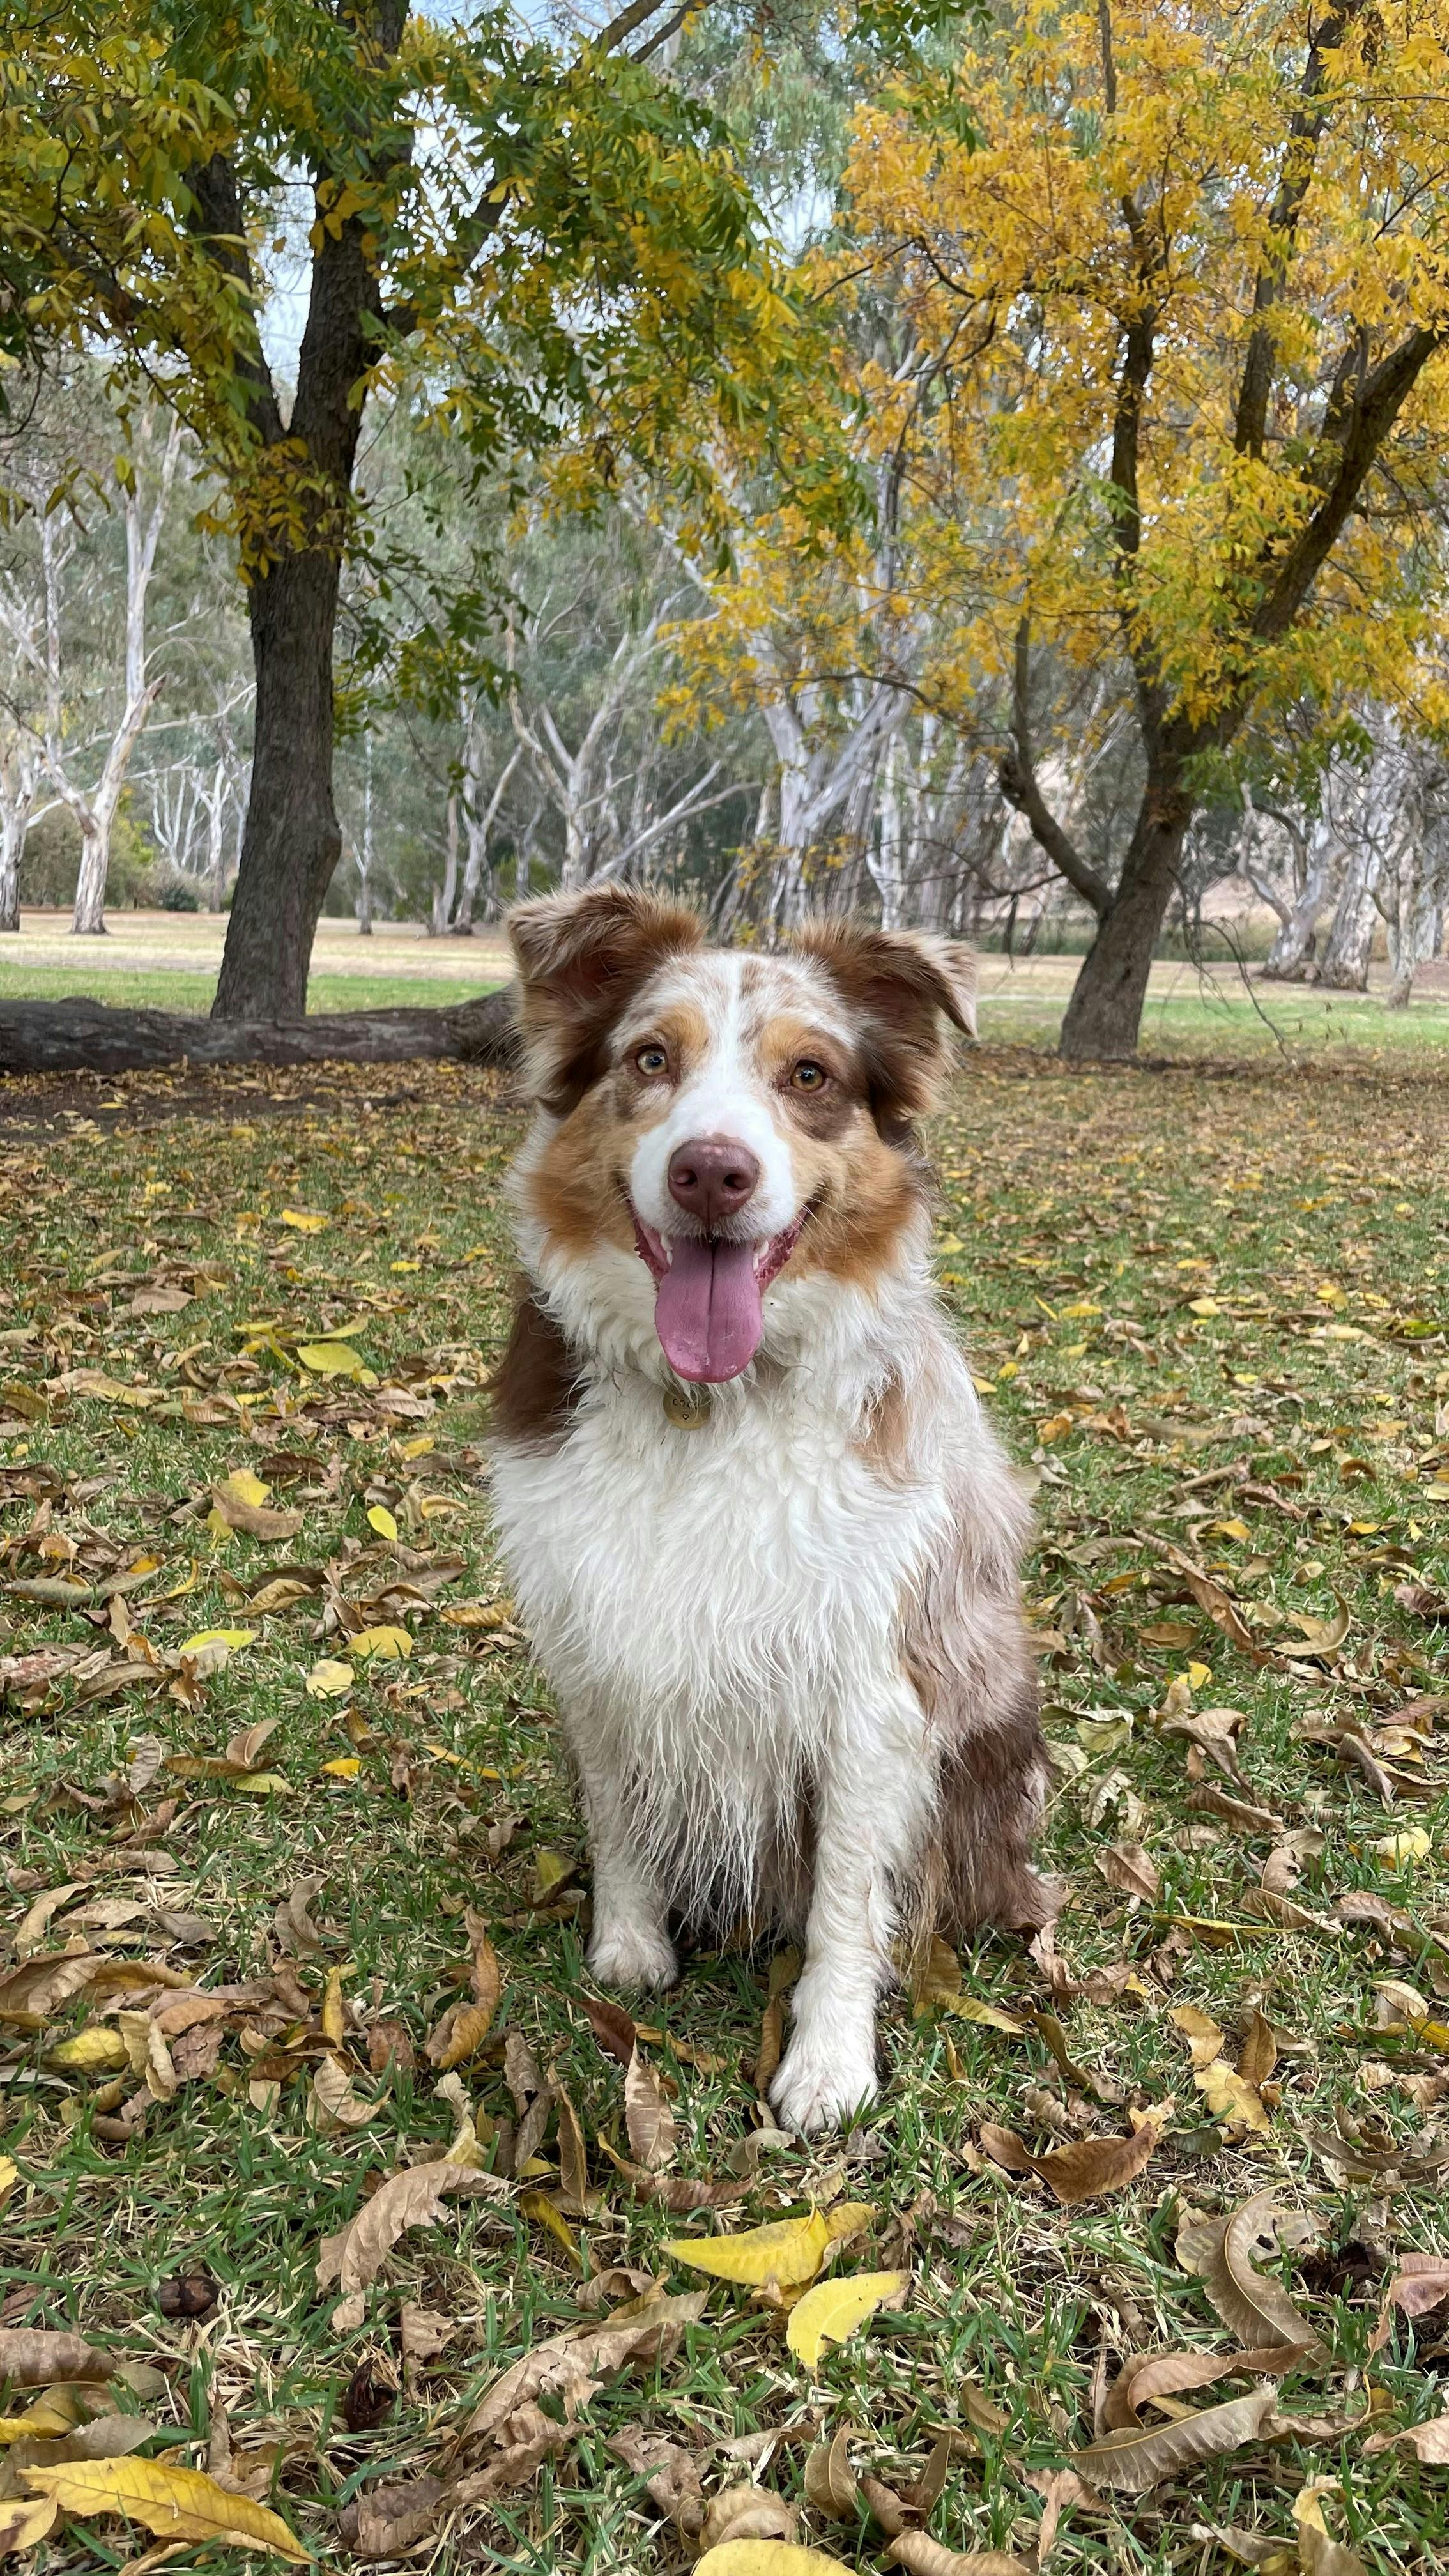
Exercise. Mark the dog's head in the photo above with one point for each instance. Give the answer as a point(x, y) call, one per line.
point(720, 1117)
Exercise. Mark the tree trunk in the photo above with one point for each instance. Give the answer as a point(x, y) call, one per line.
point(1344, 966)
point(89, 917)
point(12, 842)
point(446, 894)
point(1104, 1014)
point(293, 840)
point(1289, 958)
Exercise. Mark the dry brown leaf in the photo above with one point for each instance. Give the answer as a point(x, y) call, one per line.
point(611, 2026)
point(590, 2355)
point(254, 1520)
point(1254, 2306)
point(830, 2486)
point(25, 2521)
point(1429, 2442)
point(1141, 2456)
point(1146, 2376)
point(355, 2255)
point(926, 2557)
point(31, 2357)
point(1079, 2172)
point(573, 2161)
point(678, 2193)
point(1126, 1866)
point(1259, 2053)
point(33, 1992)
point(747, 2513)
point(647, 2115)
point(388, 2521)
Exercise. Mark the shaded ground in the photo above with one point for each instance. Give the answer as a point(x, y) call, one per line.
point(1212, 1317)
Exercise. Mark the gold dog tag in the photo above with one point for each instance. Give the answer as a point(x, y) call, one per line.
point(688, 1407)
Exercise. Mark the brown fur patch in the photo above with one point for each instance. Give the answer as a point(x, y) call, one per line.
point(581, 957)
point(900, 986)
point(533, 1390)
point(574, 1189)
point(867, 1193)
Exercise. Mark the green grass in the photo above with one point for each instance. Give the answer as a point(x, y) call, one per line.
point(1084, 1223)
point(1271, 1023)
point(179, 990)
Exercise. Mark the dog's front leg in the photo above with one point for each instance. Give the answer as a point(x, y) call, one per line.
point(874, 1801)
point(629, 1943)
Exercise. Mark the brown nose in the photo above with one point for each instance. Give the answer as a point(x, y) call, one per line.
point(712, 1177)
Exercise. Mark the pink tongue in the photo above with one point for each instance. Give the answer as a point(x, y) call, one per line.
point(707, 1312)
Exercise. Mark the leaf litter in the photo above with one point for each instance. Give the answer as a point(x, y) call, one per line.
point(1267, 1731)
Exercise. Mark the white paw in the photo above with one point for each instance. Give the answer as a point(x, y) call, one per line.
point(818, 2086)
point(632, 1954)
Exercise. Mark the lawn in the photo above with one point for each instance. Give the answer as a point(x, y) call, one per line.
point(280, 1786)
point(173, 989)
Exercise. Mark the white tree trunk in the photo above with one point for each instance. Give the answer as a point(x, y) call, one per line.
point(445, 895)
point(1344, 966)
point(96, 813)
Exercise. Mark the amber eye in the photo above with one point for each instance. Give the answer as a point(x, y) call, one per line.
point(808, 1076)
point(652, 1059)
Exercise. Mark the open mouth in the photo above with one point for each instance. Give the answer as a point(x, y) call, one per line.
point(709, 1292)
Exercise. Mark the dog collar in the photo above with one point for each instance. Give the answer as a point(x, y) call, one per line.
point(688, 1407)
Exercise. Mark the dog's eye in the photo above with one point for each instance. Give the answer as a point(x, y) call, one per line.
point(808, 1076)
point(652, 1059)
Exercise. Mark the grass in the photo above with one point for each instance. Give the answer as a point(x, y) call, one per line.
point(1212, 1317)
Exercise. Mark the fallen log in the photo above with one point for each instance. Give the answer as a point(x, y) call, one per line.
point(80, 1035)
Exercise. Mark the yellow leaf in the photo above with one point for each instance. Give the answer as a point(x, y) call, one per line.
point(92, 2050)
point(989, 2016)
point(9, 2177)
point(232, 1638)
point(42, 2422)
point(847, 2218)
point(333, 2026)
point(246, 1487)
point(331, 1359)
point(329, 1679)
point(381, 1519)
point(1203, 1306)
point(1403, 1849)
point(761, 2558)
point(790, 2250)
point(1238, 1530)
point(833, 2310)
point(24, 2520)
point(263, 1784)
point(538, 2206)
point(385, 1643)
point(550, 1871)
point(305, 1220)
point(177, 2504)
point(346, 1767)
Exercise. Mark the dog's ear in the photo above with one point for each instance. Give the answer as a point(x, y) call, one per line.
point(580, 957)
point(902, 986)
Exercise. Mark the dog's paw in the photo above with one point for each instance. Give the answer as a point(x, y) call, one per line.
point(818, 2088)
point(632, 1954)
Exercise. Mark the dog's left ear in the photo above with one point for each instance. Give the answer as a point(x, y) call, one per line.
point(903, 986)
point(580, 959)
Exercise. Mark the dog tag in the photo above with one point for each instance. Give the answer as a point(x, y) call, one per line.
point(688, 1407)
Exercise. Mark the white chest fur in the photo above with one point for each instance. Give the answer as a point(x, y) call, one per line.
point(746, 1571)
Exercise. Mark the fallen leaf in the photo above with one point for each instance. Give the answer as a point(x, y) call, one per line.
point(380, 1519)
point(1081, 2171)
point(599, 2351)
point(830, 2485)
point(1252, 2304)
point(385, 1644)
point(1429, 2442)
point(1141, 2456)
point(32, 2357)
point(611, 2026)
point(926, 2557)
point(647, 2115)
point(677, 2193)
point(175, 2503)
point(761, 2558)
point(331, 1359)
point(747, 2513)
point(833, 2310)
point(1404, 1849)
point(1126, 1866)
point(305, 1220)
point(789, 2250)
point(465, 2026)
point(1147, 2376)
point(355, 2255)
point(24, 2521)
point(329, 1679)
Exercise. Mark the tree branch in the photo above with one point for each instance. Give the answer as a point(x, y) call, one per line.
point(217, 222)
point(1359, 432)
point(609, 38)
point(1299, 160)
point(1019, 786)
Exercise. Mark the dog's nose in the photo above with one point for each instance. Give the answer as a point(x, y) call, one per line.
point(712, 1177)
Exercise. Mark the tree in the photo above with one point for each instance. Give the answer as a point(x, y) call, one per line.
point(537, 242)
point(1184, 276)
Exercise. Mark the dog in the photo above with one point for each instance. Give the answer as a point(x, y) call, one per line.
point(760, 1533)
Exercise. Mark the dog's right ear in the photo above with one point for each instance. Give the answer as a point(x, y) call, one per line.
point(580, 958)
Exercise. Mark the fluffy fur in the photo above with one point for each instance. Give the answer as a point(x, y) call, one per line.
point(786, 1643)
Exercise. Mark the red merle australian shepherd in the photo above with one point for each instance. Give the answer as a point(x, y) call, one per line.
point(762, 1537)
